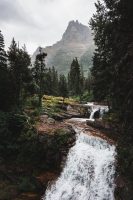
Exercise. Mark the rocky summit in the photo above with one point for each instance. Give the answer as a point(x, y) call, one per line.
point(77, 41)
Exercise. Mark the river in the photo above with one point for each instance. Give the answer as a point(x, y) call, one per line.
point(89, 171)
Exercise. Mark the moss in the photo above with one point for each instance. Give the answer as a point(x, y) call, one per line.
point(87, 96)
point(50, 101)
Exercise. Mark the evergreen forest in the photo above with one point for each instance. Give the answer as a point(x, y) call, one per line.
point(36, 99)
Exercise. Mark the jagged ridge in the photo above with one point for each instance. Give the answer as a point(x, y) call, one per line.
point(77, 41)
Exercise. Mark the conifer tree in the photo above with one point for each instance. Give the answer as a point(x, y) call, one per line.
point(88, 83)
point(54, 81)
point(3, 76)
point(19, 62)
point(47, 82)
point(39, 70)
point(102, 26)
point(63, 88)
point(112, 25)
point(3, 56)
point(75, 79)
point(113, 76)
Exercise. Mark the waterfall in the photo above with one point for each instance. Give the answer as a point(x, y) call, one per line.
point(94, 108)
point(88, 173)
point(92, 113)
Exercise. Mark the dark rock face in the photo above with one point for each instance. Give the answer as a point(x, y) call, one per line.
point(77, 41)
point(97, 114)
point(76, 33)
point(123, 189)
point(99, 124)
point(124, 181)
point(57, 145)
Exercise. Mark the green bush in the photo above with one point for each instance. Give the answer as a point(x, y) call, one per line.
point(88, 97)
point(35, 102)
point(19, 141)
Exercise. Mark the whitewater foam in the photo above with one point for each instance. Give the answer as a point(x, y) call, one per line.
point(88, 173)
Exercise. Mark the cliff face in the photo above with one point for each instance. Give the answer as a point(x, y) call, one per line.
point(77, 41)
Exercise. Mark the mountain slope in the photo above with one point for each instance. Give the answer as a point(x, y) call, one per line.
point(77, 42)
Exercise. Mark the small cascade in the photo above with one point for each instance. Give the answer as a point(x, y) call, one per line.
point(88, 173)
point(100, 109)
point(93, 112)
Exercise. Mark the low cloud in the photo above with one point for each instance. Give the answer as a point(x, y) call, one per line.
point(12, 12)
point(41, 22)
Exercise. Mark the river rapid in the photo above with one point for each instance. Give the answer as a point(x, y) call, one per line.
point(89, 170)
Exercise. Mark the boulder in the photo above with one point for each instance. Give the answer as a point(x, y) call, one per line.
point(43, 118)
point(57, 145)
point(99, 124)
point(50, 121)
point(97, 114)
point(58, 117)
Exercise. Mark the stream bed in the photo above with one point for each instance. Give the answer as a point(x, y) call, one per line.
point(88, 173)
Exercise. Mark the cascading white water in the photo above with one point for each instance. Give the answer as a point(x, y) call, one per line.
point(88, 173)
point(92, 114)
point(94, 108)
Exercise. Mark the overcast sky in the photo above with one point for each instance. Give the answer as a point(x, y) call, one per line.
point(41, 22)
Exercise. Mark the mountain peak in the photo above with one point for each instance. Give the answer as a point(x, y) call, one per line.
point(77, 42)
point(76, 32)
point(72, 22)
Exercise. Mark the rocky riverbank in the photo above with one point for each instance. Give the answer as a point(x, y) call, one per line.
point(57, 138)
point(44, 141)
point(37, 155)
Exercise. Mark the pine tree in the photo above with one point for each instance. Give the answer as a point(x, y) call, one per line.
point(3, 56)
point(102, 25)
point(112, 71)
point(47, 82)
point(4, 103)
point(75, 79)
point(123, 81)
point(39, 70)
point(27, 86)
point(82, 81)
point(19, 62)
point(113, 75)
point(63, 88)
point(54, 81)
point(88, 83)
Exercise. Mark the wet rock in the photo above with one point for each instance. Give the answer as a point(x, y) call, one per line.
point(69, 108)
point(51, 121)
point(83, 111)
point(58, 117)
point(123, 189)
point(43, 118)
point(57, 140)
point(120, 182)
point(99, 124)
point(97, 114)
